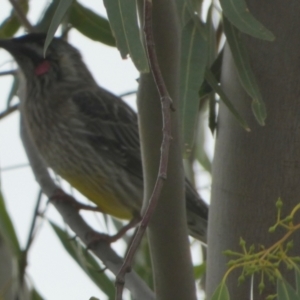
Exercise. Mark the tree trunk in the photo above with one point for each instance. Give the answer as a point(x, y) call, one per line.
point(251, 170)
point(168, 235)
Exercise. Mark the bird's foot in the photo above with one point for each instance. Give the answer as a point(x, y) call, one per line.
point(95, 237)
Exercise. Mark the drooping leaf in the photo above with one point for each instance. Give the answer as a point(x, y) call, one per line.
point(7, 230)
point(200, 152)
point(216, 70)
point(59, 14)
point(122, 17)
point(214, 84)
point(11, 24)
point(245, 73)
point(35, 295)
point(193, 63)
point(211, 37)
point(142, 263)
point(86, 261)
point(297, 275)
point(221, 292)
point(90, 24)
point(285, 291)
point(238, 14)
point(199, 270)
point(185, 10)
point(212, 118)
point(45, 21)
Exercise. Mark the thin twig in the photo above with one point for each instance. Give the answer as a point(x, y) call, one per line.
point(8, 111)
point(14, 167)
point(166, 103)
point(33, 223)
point(127, 94)
point(31, 235)
point(21, 16)
point(11, 72)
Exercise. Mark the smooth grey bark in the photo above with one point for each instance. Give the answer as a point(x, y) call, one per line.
point(251, 170)
point(168, 235)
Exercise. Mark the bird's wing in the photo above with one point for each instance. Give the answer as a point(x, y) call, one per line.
point(110, 127)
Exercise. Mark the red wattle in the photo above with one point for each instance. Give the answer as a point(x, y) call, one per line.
point(42, 68)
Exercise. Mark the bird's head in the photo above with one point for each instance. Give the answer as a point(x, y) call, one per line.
point(62, 62)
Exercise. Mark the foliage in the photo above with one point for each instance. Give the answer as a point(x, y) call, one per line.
point(267, 262)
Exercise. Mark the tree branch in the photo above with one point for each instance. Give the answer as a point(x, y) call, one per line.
point(8, 111)
point(166, 103)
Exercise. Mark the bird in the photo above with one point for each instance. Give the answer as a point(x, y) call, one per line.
point(84, 133)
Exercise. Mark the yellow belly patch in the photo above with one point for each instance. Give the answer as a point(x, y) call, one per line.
point(106, 202)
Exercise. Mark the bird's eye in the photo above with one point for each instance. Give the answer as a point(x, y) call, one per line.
point(42, 68)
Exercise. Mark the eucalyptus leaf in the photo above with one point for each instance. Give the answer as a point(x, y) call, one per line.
point(185, 10)
point(238, 14)
point(193, 64)
point(7, 231)
point(199, 270)
point(285, 291)
point(12, 24)
point(86, 261)
point(59, 14)
point(122, 16)
point(91, 25)
point(211, 37)
point(212, 118)
point(200, 152)
point(297, 275)
point(35, 295)
point(214, 84)
point(216, 68)
point(221, 292)
point(245, 73)
point(45, 21)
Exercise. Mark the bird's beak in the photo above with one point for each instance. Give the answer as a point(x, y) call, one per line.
point(10, 46)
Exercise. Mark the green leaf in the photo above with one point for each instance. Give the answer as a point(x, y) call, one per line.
point(193, 63)
point(91, 25)
point(122, 16)
point(221, 292)
point(11, 24)
point(211, 37)
point(214, 84)
point(45, 21)
point(59, 14)
point(7, 230)
point(297, 275)
point(239, 15)
point(142, 264)
point(212, 118)
point(35, 295)
point(86, 261)
point(245, 73)
point(199, 270)
point(285, 291)
point(216, 70)
point(200, 152)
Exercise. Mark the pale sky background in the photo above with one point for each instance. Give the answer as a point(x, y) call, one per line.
point(53, 272)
